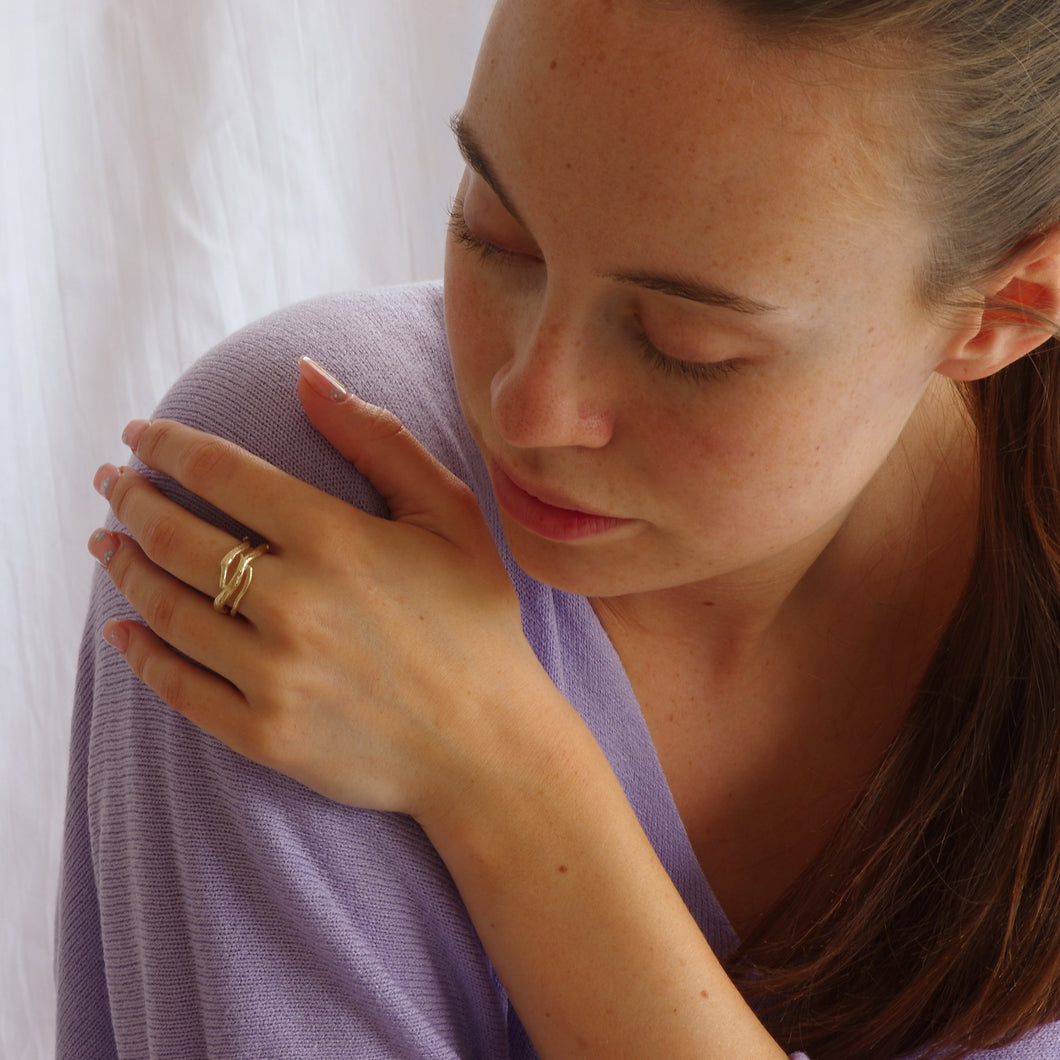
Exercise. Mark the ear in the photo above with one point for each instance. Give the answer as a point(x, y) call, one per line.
point(1009, 327)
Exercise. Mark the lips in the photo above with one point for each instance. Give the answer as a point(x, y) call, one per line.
point(548, 514)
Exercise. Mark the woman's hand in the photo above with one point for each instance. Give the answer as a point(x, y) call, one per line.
point(372, 660)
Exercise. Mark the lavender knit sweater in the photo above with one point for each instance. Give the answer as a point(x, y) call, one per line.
point(212, 908)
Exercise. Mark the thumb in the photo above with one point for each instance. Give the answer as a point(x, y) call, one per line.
point(416, 487)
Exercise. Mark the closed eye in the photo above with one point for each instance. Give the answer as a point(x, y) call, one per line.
point(691, 371)
point(461, 233)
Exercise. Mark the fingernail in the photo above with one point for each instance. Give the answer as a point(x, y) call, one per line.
point(105, 478)
point(115, 634)
point(324, 383)
point(103, 546)
point(134, 432)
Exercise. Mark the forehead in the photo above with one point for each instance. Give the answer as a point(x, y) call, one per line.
point(672, 73)
point(620, 105)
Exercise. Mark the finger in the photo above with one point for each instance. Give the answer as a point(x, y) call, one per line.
point(177, 541)
point(234, 481)
point(416, 487)
point(177, 614)
point(203, 698)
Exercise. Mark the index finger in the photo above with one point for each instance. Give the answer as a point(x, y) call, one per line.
point(253, 491)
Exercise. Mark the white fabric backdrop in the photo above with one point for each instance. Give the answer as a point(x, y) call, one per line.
point(170, 170)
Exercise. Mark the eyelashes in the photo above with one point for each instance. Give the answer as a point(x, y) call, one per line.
point(690, 371)
point(671, 367)
point(461, 234)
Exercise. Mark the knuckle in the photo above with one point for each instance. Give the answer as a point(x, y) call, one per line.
point(169, 685)
point(154, 440)
point(203, 459)
point(383, 425)
point(158, 612)
point(158, 538)
point(148, 445)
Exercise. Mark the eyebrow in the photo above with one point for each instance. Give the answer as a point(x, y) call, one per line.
point(476, 159)
point(675, 285)
point(693, 290)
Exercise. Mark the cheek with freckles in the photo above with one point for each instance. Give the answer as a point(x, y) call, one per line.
point(470, 338)
point(765, 470)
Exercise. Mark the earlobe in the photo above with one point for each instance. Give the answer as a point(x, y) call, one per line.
point(1016, 317)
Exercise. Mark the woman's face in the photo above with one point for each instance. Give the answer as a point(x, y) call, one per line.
point(681, 300)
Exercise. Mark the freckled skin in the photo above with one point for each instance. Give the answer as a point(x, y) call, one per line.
point(723, 169)
point(797, 527)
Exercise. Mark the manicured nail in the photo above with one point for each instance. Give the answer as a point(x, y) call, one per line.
point(134, 432)
point(115, 634)
point(105, 478)
point(324, 383)
point(103, 546)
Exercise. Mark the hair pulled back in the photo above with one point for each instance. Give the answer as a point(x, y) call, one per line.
point(931, 921)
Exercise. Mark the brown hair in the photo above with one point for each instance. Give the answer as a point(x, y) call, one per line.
point(931, 920)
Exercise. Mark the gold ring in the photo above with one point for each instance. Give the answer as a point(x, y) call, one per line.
point(236, 573)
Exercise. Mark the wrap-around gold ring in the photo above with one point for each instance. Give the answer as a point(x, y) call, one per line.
point(236, 573)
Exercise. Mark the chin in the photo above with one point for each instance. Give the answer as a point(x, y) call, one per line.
point(594, 569)
point(568, 568)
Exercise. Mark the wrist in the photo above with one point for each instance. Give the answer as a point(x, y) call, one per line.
point(515, 772)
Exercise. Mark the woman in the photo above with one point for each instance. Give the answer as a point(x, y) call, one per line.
point(750, 311)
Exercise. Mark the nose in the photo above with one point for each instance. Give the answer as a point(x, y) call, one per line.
point(552, 392)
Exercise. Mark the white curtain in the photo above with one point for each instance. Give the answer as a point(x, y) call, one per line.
point(170, 170)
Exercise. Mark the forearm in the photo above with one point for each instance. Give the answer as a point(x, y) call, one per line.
point(591, 939)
